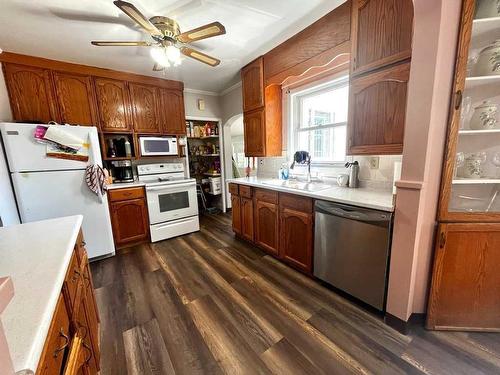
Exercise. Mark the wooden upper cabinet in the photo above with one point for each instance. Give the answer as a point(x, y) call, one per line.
point(254, 124)
point(145, 107)
point(75, 98)
point(113, 105)
point(171, 108)
point(377, 110)
point(381, 33)
point(31, 93)
point(465, 291)
point(252, 78)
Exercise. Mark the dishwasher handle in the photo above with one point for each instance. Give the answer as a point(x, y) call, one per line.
point(353, 213)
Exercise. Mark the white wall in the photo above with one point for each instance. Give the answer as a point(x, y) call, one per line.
point(5, 114)
point(212, 105)
point(232, 102)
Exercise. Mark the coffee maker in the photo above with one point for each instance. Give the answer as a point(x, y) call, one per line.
point(122, 171)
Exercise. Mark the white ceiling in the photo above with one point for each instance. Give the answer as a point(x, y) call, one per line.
point(63, 29)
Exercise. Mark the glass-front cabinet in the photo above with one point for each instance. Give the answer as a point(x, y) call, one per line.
point(471, 179)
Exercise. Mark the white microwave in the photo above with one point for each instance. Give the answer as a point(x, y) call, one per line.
point(158, 146)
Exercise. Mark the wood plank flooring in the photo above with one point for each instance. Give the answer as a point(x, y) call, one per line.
point(207, 303)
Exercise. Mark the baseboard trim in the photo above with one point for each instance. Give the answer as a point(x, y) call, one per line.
point(416, 319)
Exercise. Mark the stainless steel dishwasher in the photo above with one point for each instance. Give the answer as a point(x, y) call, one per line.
point(351, 250)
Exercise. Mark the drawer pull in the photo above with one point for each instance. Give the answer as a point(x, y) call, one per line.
point(66, 338)
point(76, 274)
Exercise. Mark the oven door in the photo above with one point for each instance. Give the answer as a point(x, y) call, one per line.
point(158, 146)
point(171, 202)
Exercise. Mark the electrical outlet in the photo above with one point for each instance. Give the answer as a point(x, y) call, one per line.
point(373, 162)
point(261, 162)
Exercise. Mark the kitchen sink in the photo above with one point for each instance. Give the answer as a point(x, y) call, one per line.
point(299, 185)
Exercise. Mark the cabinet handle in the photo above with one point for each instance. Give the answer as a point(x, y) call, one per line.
point(76, 274)
point(458, 99)
point(442, 240)
point(66, 338)
point(84, 243)
point(87, 360)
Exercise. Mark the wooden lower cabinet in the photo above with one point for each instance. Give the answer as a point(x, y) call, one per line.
point(465, 291)
point(129, 216)
point(247, 219)
point(296, 232)
point(236, 213)
point(72, 343)
point(266, 226)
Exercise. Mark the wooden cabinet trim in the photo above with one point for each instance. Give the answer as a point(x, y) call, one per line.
point(15, 58)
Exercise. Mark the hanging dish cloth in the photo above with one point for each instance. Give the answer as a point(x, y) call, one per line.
point(96, 180)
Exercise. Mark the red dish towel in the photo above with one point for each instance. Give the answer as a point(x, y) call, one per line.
point(96, 179)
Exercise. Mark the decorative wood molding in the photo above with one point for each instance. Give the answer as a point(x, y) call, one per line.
point(409, 185)
point(41, 62)
point(319, 64)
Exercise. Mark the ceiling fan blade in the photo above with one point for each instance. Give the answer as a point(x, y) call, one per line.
point(120, 44)
point(134, 13)
point(202, 32)
point(197, 55)
point(158, 68)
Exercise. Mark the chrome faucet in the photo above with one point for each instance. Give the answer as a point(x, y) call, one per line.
point(303, 157)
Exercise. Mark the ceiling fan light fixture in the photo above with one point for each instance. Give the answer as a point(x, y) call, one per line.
point(160, 57)
point(173, 54)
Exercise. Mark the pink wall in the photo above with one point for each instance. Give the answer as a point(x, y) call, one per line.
point(429, 91)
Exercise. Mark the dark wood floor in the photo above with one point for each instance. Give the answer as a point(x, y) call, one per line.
point(207, 303)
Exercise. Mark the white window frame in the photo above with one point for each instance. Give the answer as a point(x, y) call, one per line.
point(294, 116)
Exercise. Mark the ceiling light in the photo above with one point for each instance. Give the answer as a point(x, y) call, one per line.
point(159, 56)
point(173, 54)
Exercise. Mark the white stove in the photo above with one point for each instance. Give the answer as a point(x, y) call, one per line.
point(172, 200)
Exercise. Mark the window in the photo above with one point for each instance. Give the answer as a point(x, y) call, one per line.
point(318, 118)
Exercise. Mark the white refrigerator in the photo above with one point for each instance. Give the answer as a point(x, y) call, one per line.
point(47, 187)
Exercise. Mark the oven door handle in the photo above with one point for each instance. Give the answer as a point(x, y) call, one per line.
point(165, 187)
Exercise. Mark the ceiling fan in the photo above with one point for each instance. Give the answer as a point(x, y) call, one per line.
point(168, 41)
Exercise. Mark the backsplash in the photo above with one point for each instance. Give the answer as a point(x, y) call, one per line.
point(380, 178)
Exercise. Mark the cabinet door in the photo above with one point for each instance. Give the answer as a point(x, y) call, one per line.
point(57, 342)
point(145, 108)
point(377, 109)
point(172, 112)
point(296, 241)
point(247, 218)
point(465, 292)
point(255, 133)
point(252, 78)
point(75, 98)
point(83, 329)
point(381, 32)
point(30, 93)
point(113, 105)
point(266, 226)
point(236, 213)
point(129, 220)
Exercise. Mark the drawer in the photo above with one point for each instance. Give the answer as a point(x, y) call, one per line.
point(57, 342)
point(266, 195)
point(296, 202)
point(233, 189)
point(73, 280)
point(245, 191)
point(126, 194)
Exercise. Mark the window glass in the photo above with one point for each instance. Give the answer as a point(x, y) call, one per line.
point(319, 121)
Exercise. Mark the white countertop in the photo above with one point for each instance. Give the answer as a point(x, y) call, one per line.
point(36, 255)
point(361, 197)
point(120, 185)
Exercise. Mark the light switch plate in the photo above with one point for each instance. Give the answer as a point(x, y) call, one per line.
point(373, 162)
